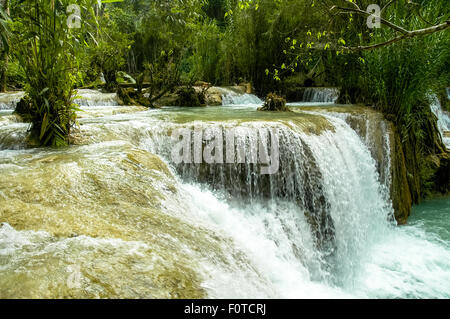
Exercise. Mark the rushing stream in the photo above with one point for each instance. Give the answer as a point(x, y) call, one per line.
point(115, 216)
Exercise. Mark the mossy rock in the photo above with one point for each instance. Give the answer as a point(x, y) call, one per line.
point(126, 95)
point(129, 96)
point(274, 103)
point(124, 78)
point(23, 109)
point(442, 179)
point(188, 96)
point(436, 171)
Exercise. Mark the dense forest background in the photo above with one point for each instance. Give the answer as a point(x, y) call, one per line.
point(50, 48)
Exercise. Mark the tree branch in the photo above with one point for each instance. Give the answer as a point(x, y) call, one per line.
point(410, 34)
point(383, 21)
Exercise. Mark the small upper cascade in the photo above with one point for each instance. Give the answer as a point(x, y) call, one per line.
point(443, 119)
point(233, 97)
point(85, 97)
point(92, 98)
point(244, 99)
point(321, 95)
point(8, 101)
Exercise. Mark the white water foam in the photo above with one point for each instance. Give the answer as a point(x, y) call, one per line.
point(443, 119)
point(231, 97)
point(321, 95)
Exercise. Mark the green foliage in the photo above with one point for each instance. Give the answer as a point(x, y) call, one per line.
point(5, 32)
point(46, 51)
point(162, 75)
point(271, 43)
point(204, 63)
point(108, 53)
point(15, 74)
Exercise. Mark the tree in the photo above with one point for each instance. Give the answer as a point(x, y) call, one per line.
point(46, 47)
point(404, 33)
point(108, 51)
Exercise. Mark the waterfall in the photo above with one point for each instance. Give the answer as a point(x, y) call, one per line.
point(242, 99)
point(321, 95)
point(235, 97)
point(84, 97)
point(326, 200)
point(443, 119)
point(8, 101)
point(376, 133)
point(127, 220)
point(94, 98)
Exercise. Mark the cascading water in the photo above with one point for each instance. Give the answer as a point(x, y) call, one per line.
point(93, 98)
point(231, 97)
point(8, 101)
point(317, 96)
point(443, 119)
point(84, 97)
point(110, 219)
point(321, 95)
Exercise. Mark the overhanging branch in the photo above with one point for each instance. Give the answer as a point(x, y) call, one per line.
point(410, 34)
point(405, 34)
point(367, 14)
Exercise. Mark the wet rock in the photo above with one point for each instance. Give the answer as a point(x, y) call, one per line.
point(438, 168)
point(170, 99)
point(123, 77)
point(129, 96)
point(248, 87)
point(443, 174)
point(213, 99)
point(114, 214)
point(125, 96)
point(212, 95)
point(202, 84)
point(23, 109)
point(188, 96)
point(400, 191)
point(274, 103)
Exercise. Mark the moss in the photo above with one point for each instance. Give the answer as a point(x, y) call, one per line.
point(188, 96)
point(129, 96)
point(310, 124)
point(24, 110)
point(435, 175)
point(400, 192)
point(274, 103)
point(148, 160)
point(126, 95)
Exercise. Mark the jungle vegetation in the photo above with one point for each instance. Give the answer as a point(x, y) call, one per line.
point(50, 48)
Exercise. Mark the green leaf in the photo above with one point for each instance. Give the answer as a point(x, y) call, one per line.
point(44, 126)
